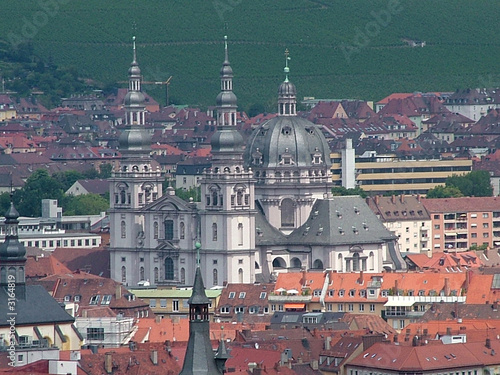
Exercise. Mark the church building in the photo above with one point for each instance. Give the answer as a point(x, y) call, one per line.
point(266, 206)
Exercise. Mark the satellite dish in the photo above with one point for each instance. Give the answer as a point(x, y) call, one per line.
point(256, 345)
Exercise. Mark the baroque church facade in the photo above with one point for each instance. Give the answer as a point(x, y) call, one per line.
point(266, 205)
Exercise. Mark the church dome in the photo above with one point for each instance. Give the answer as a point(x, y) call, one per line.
point(134, 139)
point(287, 88)
point(226, 140)
point(226, 69)
point(134, 70)
point(226, 98)
point(287, 141)
point(134, 99)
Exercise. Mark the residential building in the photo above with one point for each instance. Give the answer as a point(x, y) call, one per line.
point(244, 303)
point(170, 303)
point(407, 218)
point(460, 223)
point(473, 103)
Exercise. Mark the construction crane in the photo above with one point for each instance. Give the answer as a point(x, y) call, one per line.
point(166, 83)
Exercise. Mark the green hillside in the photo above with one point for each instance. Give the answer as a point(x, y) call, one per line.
point(183, 39)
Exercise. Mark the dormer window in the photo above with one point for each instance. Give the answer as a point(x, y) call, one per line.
point(316, 157)
point(286, 130)
point(257, 157)
point(286, 158)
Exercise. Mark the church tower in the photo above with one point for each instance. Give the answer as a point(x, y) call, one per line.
point(133, 185)
point(227, 190)
point(12, 254)
point(200, 358)
point(290, 158)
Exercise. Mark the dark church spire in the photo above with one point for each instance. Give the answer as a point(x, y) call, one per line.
point(200, 358)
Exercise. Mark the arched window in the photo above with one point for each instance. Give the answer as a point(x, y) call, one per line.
point(123, 197)
point(239, 198)
point(141, 273)
point(155, 230)
point(355, 262)
point(124, 274)
point(169, 229)
point(279, 263)
point(240, 275)
point(216, 278)
point(124, 229)
point(214, 198)
point(296, 263)
point(240, 234)
point(156, 274)
point(214, 232)
point(340, 263)
point(183, 276)
point(169, 268)
point(318, 264)
point(371, 261)
point(287, 213)
point(182, 229)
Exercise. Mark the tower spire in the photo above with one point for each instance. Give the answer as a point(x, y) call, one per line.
point(135, 54)
point(287, 69)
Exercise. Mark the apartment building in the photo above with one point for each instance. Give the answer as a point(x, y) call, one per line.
point(461, 223)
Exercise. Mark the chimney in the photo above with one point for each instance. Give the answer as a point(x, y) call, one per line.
point(118, 292)
point(328, 341)
point(303, 280)
point(448, 331)
point(467, 280)
point(377, 199)
point(488, 343)
point(396, 287)
point(462, 330)
point(108, 363)
point(154, 357)
point(360, 280)
point(495, 306)
point(314, 364)
point(446, 286)
point(393, 199)
point(415, 341)
point(402, 198)
point(418, 197)
point(426, 332)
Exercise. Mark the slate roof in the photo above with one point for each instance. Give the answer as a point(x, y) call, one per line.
point(398, 208)
point(338, 221)
point(95, 260)
point(37, 308)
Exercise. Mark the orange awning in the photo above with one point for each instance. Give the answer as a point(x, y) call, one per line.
point(295, 305)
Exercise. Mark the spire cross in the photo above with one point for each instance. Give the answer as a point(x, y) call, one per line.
point(287, 69)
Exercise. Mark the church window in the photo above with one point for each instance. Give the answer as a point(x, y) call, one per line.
point(117, 199)
point(129, 197)
point(287, 213)
point(340, 263)
point(123, 195)
point(239, 198)
point(169, 269)
point(169, 229)
point(124, 229)
point(278, 176)
point(240, 234)
point(214, 232)
point(155, 273)
point(141, 273)
point(214, 198)
point(155, 230)
point(371, 261)
point(296, 263)
point(232, 200)
point(215, 275)
point(183, 276)
point(140, 198)
point(247, 199)
point(240, 275)
point(355, 262)
point(208, 200)
point(182, 227)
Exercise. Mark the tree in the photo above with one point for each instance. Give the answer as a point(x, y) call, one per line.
point(105, 170)
point(85, 204)
point(342, 191)
point(4, 203)
point(473, 184)
point(39, 186)
point(194, 193)
point(441, 191)
point(67, 178)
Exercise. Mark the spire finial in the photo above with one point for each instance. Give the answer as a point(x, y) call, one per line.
point(135, 55)
point(197, 245)
point(287, 69)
